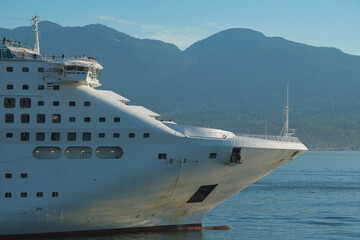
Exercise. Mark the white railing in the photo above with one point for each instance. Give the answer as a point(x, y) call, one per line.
point(271, 137)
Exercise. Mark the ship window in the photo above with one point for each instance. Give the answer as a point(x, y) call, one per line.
point(56, 87)
point(56, 118)
point(40, 118)
point(86, 136)
point(25, 69)
point(131, 135)
point(23, 194)
point(25, 102)
point(87, 119)
point(25, 118)
point(72, 103)
point(40, 136)
point(109, 152)
point(78, 152)
point(9, 135)
point(9, 102)
point(102, 119)
point(202, 193)
point(54, 194)
point(23, 175)
point(25, 87)
point(9, 87)
point(116, 135)
point(24, 136)
point(9, 69)
point(55, 136)
point(162, 155)
point(212, 155)
point(9, 118)
point(8, 194)
point(47, 152)
point(41, 87)
point(40, 69)
point(116, 119)
point(39, 194)
point(87, 104)
point(40, 103)
point(146, 135)
point(72, 119)
point(8, 175)
point(101, 135)
point(71, 136)
point(56, 103)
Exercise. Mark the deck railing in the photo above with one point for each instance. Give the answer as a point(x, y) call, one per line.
point(271, 137)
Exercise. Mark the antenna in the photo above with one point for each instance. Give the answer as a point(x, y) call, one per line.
point(36, 47)
point(285, 130)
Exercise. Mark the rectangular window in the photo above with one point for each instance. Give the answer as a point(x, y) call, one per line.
point(41, 87)
point(146, 135)
point(56, 118)
point(9, 87)
point(71, 136)
point(23, 194)
point(54, 194)
point(116, 135)
point(25, 118)
point(39, 194)
point(87, 104)
point(56, 103)
point(86, 136)
point(23, 175)
point(40, 69)
point(9, 69)
point(40, 136)
point(55, 136)
point(40, 118)
point(87, 119)
point(9, 102)
point(116, 119)
point(25, 69)
point(8, 175)
point(212, 155)
point(72, 119)
point(40, 103)
point(24, 136)
point(25, 87)
point(102, 119)
point(8, 194)
point(9, 135)
point(131, 135)
point(162, 155)
point(25, 102)
point(9, 118)
point(101, 135)
point(72, 104)
point(56, 87)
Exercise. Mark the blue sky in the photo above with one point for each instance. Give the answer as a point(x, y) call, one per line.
point(331, 23)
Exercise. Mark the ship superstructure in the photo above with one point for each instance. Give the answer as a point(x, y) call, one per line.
point(75, 159)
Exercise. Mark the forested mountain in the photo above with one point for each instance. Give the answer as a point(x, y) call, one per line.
point(235, 79)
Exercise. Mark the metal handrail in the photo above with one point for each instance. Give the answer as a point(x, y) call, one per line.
point(271, 137)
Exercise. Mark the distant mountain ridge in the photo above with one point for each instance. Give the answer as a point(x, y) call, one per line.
point(234, 79)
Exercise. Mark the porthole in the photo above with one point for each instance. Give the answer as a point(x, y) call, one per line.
point(47, 152)
point(78, 152)
point(109, 152)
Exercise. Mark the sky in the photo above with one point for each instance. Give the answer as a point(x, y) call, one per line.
point(329, 23)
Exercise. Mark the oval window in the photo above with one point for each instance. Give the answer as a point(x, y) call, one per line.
point(109, 152)
point(47, 152)
point(78, 152)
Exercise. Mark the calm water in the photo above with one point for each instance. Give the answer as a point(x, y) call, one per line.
point(317, 196)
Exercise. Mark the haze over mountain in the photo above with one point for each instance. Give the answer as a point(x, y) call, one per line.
point(234, 79)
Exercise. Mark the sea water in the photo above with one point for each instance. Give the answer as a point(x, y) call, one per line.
point(316, 196)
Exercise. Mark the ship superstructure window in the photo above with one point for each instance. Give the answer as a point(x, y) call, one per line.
point(41, 87)
point(101, 135)
point(8, 194)
point(109, 152)
point(131, 135)
point(25, 102)
point(9, 69)
point(102, 119)
point(55, 194)
point(47, 152)
point(40, 118)
point(72, 119)
point(9, 87)
point(24, 136)
point(25, 69)
point(40, 103)
point(78, 152)
point(162, 155)
point(56, 103)
point(56, 87)
point(72, 103)
point(40, 136)
point(87, 119)
point(25, 118)
point(212, 155)
point(55, 136)
point(146, 135)
point(23, 194)
point(25, 87)
point(86, 136)
point(56, 118)
point(39, 194)
point(71, 136)
point(116, 119)
point(87, 104)
point(116, 135)
point(8, 175)
point(23, 175)
point(9, 118)
point(9, 102)
point(9, 135)
point(40, 69)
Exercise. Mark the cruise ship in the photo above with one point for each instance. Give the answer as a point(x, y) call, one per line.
point(79, 160)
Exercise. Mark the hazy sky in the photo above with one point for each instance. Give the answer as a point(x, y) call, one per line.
point(331, 23)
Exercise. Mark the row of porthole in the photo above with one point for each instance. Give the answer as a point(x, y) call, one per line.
point(78, 152)
point(25, 194)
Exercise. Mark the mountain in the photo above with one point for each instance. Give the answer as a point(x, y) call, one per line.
point(234, 79)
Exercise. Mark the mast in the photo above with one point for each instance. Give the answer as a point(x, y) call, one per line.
point(285, 130)
point(36, 47)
